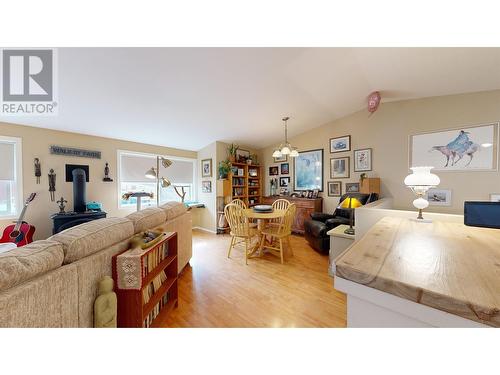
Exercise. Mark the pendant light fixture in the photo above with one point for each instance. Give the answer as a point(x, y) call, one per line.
point(285, 148)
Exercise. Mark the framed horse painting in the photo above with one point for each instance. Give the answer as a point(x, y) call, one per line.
point(469, 148)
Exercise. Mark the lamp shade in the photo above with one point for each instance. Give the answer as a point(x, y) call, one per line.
point(165, 162)
point(294, 153)
point(422, 177)
point(165, 182)
point(285, 150)
point(277, 154)
point(350, 202)
point(151, 173)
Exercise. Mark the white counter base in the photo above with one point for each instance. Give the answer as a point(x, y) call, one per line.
point(369, 307)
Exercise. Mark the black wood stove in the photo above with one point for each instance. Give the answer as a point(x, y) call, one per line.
point(79, 215)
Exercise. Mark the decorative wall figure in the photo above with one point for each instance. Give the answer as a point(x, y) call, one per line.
point(105, 305)
point(52, 185)
point(61, 205)
point(106, 174)
point(38, 170)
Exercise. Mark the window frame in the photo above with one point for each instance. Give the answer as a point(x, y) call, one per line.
point(119, 153)
point(18, 175)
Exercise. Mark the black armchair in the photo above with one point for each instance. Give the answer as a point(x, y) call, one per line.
point(319, 224)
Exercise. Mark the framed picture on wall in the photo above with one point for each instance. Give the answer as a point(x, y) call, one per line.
point(494, 197)
point(308, 170)
point(285, 168)
point(206, 186)
point(352, 187)
point(281, 159)
point(363, 160)
point(439, 197)
point(340, 144)
point(274, 171)
point(469, 148)
point(206, 168)
point(334, 188)
point(284, 181)
point(339, 167)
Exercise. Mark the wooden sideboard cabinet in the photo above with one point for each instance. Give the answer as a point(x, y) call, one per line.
point(305, 207)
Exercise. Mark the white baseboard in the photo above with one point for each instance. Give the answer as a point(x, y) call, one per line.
point(205, 230)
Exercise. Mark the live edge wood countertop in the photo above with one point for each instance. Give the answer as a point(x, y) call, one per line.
point(447, 266)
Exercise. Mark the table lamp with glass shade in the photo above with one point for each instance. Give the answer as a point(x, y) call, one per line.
point(420, 181)
point(351, 203)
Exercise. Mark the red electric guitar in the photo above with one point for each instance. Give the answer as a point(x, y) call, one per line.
point(20, 233)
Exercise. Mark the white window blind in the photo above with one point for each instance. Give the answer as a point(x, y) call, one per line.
point(7, 157)
point(10, 177)
point(133, 167)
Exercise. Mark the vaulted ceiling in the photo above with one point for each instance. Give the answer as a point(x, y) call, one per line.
point(189, 97)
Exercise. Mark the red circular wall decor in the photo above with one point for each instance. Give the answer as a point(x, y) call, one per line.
point(373, 101)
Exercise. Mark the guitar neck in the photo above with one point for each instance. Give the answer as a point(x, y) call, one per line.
point(21, 217)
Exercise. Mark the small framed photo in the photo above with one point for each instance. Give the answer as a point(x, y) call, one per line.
point(285, 168)
point(274, 171)
point(310, 194)
point(284, 181)
point(206, 168)
point(315, 193)
point(339, 167)
point(334, 188)
point(352, 187)
point(363, 160)
point(495, 197)
point(206, 186)
point(304, 194)
point(439, 197)
point(282, 158)
point(340, 144)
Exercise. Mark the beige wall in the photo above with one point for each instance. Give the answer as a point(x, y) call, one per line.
point(387, 131)
point(206, 217)
point(36, 142)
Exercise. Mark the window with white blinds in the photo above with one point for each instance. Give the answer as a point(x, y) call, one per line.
point(133, 167)
point(10, 177)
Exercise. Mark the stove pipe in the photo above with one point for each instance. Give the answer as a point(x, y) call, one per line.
point(79, 196)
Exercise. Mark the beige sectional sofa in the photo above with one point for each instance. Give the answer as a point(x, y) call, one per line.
point(53, 283)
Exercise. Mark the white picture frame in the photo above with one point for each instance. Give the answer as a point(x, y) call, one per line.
point(363, 160)
point(467, 148)
point(495, 197)
point(340, 144)
point(439, 197)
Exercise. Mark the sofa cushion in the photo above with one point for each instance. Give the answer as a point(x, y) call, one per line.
point(24, 263)
point(173, 209)
point(85, 239)
point(147, 218)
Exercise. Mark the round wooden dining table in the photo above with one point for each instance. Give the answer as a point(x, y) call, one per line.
point(262, 218)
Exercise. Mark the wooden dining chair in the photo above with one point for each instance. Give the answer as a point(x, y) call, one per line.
point(280, 233)
point(279, 204)
point(242, 204)
point(240, 232)
point(239, 202)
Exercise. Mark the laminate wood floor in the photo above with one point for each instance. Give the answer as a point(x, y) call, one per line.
point(219, 292)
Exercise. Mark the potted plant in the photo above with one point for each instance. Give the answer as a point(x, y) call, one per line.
point(232, 152)
point(253, 159)
point(224, 168)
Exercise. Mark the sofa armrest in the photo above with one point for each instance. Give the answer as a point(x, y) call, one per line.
point(319, 216)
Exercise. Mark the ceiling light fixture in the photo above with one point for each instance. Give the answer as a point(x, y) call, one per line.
point(286, 148)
